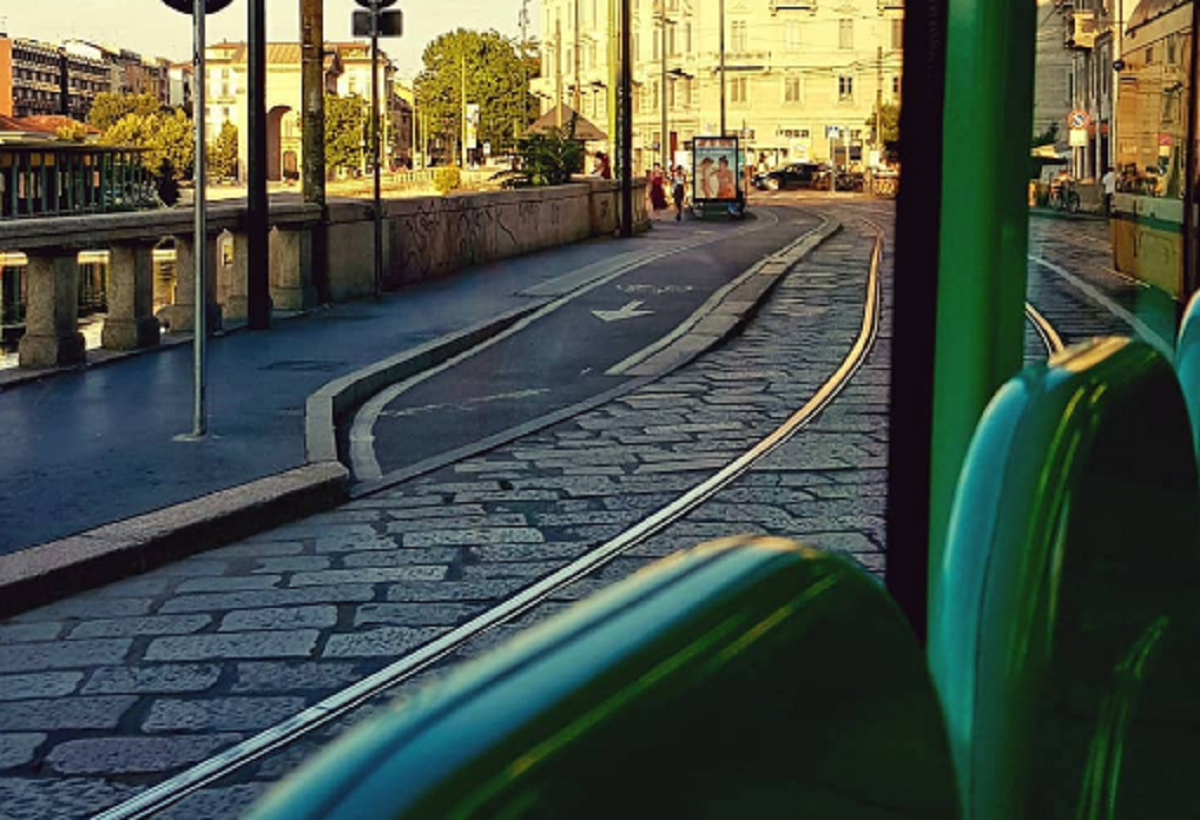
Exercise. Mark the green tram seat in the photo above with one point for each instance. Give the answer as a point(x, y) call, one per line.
point(1063, 632)
point(740, 679)
point(1187, 365)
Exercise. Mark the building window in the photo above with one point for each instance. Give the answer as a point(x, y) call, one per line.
point(792, 35)
point(737, 36)
point(897, 35)
point(845, 88)
point(793, 90)
point(737, 90)
point(845, 34)
point(687, 38)
point(895, 85)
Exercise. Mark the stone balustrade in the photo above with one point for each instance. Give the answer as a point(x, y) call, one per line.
point(424, 237)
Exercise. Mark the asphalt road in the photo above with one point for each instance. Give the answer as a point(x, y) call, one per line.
point(562, 359)
point(95, 446)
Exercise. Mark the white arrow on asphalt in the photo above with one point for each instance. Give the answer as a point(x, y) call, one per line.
point(630, 311)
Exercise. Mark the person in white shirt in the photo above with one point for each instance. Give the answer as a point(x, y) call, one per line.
point(1109, 181)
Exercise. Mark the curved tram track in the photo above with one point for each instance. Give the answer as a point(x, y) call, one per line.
point(346, 701)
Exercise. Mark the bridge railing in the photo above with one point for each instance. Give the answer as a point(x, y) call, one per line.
point(424, 237)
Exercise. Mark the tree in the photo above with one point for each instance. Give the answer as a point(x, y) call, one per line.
point(223, 153)
point(166, 142)
point(549, 158)
point(72, 132)
point(1047, 137)
point(889, 121)
point(345, 131)
point(495, 82)
point(110, 108)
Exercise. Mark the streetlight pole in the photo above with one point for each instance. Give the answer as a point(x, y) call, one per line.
point(258, 293)
point(662, 144)
point(463, 94)
point(375, 115)
point(722, 49)
point(625, 98)
point(200, 241)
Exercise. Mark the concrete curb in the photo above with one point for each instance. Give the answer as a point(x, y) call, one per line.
point(330, 405)
point(725, 312)
point(56, 569)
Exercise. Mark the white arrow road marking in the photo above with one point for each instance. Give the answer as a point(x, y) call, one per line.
point(630, 311)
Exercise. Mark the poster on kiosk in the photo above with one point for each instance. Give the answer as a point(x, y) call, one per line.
point(716, 170)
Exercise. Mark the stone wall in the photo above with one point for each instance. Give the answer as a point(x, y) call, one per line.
point(427, 237)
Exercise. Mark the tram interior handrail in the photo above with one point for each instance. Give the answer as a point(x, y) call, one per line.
point(1187, 365)
point(745, 678)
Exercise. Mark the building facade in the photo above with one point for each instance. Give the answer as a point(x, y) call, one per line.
point(46, 79)
point(347, 73)
point(801, 79)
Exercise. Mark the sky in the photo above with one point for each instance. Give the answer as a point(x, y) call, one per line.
point(152, 29)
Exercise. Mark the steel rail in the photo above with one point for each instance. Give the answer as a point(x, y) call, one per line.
point(207, 772)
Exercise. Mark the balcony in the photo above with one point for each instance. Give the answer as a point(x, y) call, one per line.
point(792, 5)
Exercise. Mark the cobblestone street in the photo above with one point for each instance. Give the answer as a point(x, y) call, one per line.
point(112, 691)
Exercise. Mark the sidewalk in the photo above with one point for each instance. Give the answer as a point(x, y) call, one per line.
point(89, 447)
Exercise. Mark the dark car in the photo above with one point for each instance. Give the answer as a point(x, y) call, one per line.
point(796, 175)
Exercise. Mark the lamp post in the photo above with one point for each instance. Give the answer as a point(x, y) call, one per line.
point(199, 9)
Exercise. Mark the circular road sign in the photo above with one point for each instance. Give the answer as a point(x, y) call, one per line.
point(187, 6)
point(379, 4)
point(1078, 120)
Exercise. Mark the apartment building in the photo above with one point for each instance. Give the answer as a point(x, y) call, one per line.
point(801, 79)
point(40, 79)
point(347, 73)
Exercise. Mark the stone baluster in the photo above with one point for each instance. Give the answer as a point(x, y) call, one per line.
point(52, 337)
point(179, 317)
point(292, 285)
point(235, 307)
point(130, 322)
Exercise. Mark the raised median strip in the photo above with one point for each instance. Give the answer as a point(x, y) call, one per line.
point(724, 313)
point(333, 403)
point(56, 569)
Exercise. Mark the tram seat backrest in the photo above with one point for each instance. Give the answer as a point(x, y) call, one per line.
point(1187, 365)
point(1063, 634)
point(741, 679)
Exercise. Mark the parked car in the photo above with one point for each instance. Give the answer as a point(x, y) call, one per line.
point(796, 175)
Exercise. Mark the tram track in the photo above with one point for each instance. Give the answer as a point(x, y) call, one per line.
point(344, 702)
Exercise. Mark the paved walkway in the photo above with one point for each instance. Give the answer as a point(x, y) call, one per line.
point(116, 689)
point(89, 447)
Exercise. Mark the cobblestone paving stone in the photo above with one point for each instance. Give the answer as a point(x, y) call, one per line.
point(1083, 248)
point(180, 663)
point(113, 690)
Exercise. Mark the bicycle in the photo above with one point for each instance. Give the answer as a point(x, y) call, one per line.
point(1065, 198)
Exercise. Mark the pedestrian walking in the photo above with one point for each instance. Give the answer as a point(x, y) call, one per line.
point(1109, 181)
point(678, 186)
point(658, 188)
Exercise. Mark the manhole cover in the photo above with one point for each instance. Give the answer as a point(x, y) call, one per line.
point(304, 366)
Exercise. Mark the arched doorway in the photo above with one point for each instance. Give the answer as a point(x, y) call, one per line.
point(274, 142)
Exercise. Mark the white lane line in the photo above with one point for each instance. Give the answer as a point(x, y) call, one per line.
point(169, 792)
point(1149, 334)
point(364, 464)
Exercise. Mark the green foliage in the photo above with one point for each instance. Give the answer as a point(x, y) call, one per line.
point(223, 153)
point(74, 132)
point(548, 159)
point(110, 108)
point(1047, 137)
point(889, 121)
point(167, 144)
point(495, 80)
point(447, 179)
point(345, 129)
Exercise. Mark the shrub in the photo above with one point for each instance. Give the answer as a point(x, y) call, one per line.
point(447, 180)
